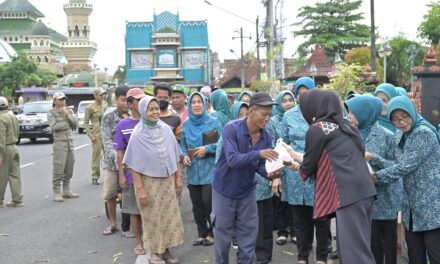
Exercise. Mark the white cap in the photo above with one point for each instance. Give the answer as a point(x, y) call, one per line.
point(3, 101)
point(58, 95)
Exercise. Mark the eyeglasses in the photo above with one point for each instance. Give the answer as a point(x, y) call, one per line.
point(404, 119)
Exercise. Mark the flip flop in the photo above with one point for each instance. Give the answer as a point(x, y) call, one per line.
point(139, 250)
point(109, 230)
point(154, 259)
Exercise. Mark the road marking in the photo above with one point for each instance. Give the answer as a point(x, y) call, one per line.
point(26, 165)
point(82, 146)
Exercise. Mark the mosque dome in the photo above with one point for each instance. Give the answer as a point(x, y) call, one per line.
point(40, 29)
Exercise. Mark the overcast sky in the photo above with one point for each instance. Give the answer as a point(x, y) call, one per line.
point(108, 21)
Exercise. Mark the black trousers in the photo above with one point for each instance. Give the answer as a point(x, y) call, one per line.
point(201, 198)
point(304, 228)
point(384, 241)
point(283, 218)
point(264, 247)
point(420, 243)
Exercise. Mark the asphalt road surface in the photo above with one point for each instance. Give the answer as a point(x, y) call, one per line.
point(44, 231)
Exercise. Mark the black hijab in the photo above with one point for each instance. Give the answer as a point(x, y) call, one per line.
point(323, 105)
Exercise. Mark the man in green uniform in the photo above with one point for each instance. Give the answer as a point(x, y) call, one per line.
point(94, 113)
point(61, 122)
point(9, 156)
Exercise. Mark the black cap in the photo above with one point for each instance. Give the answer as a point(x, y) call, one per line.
point(262, 99)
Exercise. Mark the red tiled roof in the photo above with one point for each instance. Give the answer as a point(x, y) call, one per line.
point(321, 63)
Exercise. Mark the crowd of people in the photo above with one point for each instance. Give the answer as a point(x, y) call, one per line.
point(361, 162)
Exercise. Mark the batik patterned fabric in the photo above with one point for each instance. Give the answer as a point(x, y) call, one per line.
point(417, 162)
point(380, 141)
point(295, 191)
point(161, 219)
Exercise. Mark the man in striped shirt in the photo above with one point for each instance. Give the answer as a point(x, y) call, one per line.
point(123, 133)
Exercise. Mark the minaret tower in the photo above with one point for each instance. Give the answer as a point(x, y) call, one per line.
point(78, 50)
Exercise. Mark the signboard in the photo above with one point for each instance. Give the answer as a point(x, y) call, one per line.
point(141, 60)
point(193, 59)
point(166, 58)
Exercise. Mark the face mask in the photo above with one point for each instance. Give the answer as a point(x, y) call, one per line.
point(163, 104)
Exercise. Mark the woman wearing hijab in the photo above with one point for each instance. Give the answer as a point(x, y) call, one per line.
point(245, 96)
point(199, 143)
point(334, 159)
point(299, 193)
point(364, 111)
point(401, 91)
point(416, 161)
point(386, 92)
point(282, 213)
point(158, 181)
point(220, 103)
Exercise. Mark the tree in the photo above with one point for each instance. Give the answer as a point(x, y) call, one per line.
point(347, 78)
point(335, 25)
point(120, 75)
point(362, 56)
point(23, 72)
point(429, 29)
point(399, 62)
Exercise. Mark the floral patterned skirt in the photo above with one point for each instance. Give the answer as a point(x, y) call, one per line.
point(161, 219)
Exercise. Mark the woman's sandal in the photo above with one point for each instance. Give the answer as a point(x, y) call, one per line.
point(139, 250)
point(171, 259)
point(155, 259)
point(109, 230)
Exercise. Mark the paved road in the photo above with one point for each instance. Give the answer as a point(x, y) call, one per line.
point(57, 233)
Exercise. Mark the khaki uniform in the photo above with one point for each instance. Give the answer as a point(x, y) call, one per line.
point(94, 114)
point(10, 171)
point(63, 156)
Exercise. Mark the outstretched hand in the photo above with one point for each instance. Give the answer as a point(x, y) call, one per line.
point(269, 154)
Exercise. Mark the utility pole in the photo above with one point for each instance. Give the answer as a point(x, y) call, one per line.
point(242, 56)
point(373, 40)
point(279, 40)
point(269, 36)
point(258, 52)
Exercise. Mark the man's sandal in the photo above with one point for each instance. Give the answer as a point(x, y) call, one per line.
point(109, 230)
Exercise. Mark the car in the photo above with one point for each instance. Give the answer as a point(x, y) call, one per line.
point(33, 121)
point(80, 114)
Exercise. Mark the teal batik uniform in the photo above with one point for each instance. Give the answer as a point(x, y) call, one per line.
point(379, 141)
point(416, 160)
point(294, 190)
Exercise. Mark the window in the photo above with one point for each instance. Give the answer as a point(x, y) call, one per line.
point(41, 43)
point(35, 43)
point(46, 59)
point(38, 59)
point(76, 31)
point(85, 31)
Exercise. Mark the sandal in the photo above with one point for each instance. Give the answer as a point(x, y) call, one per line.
point(156, 259)
point(281, 240)
point(127, 234)
point(109, 230)
point(171, 259)
point(139, 250)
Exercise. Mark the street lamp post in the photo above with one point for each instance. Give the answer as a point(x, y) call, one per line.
point(385, 51)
